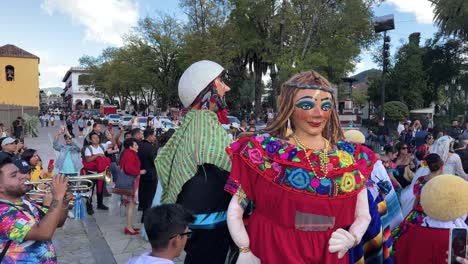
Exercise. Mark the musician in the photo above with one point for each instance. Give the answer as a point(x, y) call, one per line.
point(27, 228)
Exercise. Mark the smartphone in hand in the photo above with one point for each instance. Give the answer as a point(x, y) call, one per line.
point(457, 244)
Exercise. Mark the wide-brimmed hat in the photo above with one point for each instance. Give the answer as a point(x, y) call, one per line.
point(196, 78)
point(445, 197)
point(354, 136)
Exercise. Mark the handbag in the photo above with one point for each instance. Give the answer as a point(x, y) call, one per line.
point(124, 184)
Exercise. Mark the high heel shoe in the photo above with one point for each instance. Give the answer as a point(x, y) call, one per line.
point(137, 229)
point(128, 232)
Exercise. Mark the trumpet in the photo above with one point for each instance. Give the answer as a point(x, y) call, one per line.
point(76, 184)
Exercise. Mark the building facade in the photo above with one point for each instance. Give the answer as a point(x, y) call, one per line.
point(76, 94)
point(19, 83)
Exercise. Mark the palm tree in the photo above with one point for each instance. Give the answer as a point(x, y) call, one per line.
point(452, 17)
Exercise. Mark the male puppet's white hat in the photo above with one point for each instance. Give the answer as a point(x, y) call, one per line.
point(196, 78)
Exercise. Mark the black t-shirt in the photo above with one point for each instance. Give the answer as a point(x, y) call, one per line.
point(463, 153)
point(204, 192)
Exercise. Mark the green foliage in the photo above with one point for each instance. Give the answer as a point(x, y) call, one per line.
point(407, 80)
point(395, 111)
point(249, 38)
point(452, 17)
point(360, 98)
point(31, 124)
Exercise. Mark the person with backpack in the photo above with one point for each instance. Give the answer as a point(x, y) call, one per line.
point(95, 161)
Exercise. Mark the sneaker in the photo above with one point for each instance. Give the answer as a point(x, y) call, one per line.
point(102, 207)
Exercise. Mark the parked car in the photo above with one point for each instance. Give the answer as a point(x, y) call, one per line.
point(125, 120)
point(232, 119)
point(167, 124)
point(114, 119)
point(143, 121)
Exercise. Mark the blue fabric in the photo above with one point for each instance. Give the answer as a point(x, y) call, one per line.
point(79, 208)
point(75, 153)
point(209, 221)
point(68, 167)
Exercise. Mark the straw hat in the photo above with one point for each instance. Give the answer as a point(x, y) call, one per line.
point(445, 197)
point(354, 136)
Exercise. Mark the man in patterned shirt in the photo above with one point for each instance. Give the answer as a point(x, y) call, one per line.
point(27, 228)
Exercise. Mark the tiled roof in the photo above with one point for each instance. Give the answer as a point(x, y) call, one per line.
point(13, 51)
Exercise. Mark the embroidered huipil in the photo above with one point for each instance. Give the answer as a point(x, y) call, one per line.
point(296, 208)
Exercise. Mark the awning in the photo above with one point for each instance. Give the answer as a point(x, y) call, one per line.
point(429, 110)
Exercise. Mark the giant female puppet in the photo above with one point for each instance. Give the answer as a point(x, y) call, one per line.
point(193, 166)
point(307, 189)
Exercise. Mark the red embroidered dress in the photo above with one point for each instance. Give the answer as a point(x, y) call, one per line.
point(296, 208)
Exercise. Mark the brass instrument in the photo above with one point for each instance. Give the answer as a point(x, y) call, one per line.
point(76, 184)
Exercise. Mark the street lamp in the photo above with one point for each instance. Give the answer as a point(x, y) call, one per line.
point(382, 24)
point(451, 92)
point(349, 80)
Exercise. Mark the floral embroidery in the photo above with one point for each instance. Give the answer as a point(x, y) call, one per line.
point(325, 186)
point(315, 183)
point(285, 165)
point(299, 178)
point(272, 147)
point(348, 182)
point(349, 148)
point(255, 156)
point(345, 158)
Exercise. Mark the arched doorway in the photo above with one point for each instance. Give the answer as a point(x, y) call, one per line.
point(78, 104)
point(88, 104)
point(97, 104)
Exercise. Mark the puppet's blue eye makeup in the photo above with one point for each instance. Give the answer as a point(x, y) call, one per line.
point(305, 105)
point(326, 106)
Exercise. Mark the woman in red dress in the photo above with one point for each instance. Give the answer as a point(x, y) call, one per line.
point(307, 189)
point(130, 165)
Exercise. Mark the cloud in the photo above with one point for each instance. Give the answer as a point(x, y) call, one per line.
point(51, 68)
point(51, 75)
point(105, 21)
point(421, 9)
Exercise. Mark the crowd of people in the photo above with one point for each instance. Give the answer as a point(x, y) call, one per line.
point(299, 191)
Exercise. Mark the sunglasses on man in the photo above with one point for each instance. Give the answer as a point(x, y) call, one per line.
point(188, 234)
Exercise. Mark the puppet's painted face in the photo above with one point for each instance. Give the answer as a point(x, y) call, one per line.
point(221, 87)
point(312, 111)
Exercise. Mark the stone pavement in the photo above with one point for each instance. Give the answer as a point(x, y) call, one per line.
point(99, 238)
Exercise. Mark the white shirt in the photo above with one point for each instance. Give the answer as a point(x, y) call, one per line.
point(157, 123)
point(454, 166)
point(147, 259)
point(400, 128)
point(96, 150)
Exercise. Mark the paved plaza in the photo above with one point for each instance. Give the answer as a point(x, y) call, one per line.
point(98, 238)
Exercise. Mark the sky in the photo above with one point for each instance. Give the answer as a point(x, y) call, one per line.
point(62, 31)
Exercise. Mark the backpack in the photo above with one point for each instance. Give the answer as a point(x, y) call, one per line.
point(83, 150)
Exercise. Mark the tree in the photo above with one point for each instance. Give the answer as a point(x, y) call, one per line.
point(360, 98)
point(452, 17)
point(408, 79)
point(162, 38)
point(395, 111)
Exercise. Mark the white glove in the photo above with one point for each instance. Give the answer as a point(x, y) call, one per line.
point(247, 258)
point(341, 241)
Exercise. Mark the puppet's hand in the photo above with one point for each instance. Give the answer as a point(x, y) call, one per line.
point(247, 258)
point(341, 241)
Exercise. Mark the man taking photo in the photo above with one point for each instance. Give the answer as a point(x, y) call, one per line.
point(27, 228)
